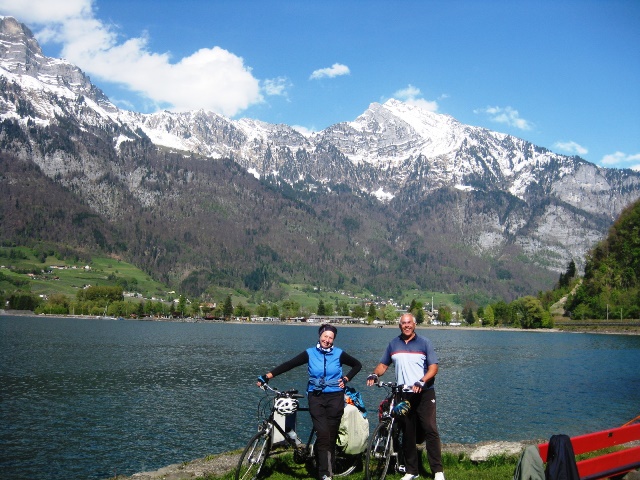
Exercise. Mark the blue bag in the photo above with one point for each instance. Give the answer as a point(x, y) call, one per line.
point(356, 399)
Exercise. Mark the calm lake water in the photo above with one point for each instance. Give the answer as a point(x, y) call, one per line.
point(89, 399)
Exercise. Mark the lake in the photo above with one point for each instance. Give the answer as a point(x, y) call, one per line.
point(89, 399)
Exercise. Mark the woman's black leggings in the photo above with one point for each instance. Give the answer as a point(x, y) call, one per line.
point(326, 412)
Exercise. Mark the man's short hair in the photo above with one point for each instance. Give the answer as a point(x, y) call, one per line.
point(408, 315)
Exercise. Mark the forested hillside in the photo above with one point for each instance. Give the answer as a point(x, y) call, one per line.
point(611, 285)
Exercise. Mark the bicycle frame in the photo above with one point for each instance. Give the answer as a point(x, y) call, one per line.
point(384, 442)
point(260, 445)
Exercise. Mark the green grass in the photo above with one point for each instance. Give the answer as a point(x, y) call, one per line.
point(106, 271)
point(456, 467)
point(103, 271)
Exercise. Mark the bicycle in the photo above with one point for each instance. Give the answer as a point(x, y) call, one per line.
point(386, 441)
point(262, 444)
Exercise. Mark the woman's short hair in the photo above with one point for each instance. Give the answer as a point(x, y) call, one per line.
point(325, 326)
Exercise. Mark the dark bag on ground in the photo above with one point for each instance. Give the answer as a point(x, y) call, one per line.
point(561, 461)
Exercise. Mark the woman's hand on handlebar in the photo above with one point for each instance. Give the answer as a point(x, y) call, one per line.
point(264, 379)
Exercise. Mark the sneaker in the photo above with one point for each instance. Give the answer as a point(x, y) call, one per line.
point(439, 476)
point(326, 477)
point(410, 476)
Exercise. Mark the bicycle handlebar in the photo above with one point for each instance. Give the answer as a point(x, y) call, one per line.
point(292, 392)
point(394, 386)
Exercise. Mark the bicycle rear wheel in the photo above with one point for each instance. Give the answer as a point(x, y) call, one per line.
point(345, 464)
point(253, 457)
point(379, 451)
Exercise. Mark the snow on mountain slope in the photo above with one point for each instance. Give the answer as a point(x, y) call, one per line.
point(391, 147)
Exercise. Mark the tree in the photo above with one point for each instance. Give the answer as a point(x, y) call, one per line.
point(488, 318)
point(531, 314)
point(101, 293)
point(328, 308)
point(182, 305)
point(227, 309)
point(358, 312)
point(416, 308)
point(262, 310)
point(571, 269)
point(501, 313)
point(467, 313)
point(241, 311)
point(321, 308)
point(23, 301)
point(389, 313)
point(412, 306)
point(343, 308)
point(444, 314)
point(290, 308)
point(371, 314)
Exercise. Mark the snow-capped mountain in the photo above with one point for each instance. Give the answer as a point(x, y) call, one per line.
point(504, 192)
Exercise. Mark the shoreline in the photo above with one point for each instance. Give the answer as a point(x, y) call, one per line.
point(223, 463)
point(591, 327)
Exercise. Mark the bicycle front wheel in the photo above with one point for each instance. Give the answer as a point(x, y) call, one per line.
point(379, 451)
point(253, 457)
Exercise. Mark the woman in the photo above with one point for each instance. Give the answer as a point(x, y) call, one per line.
point(325, 391)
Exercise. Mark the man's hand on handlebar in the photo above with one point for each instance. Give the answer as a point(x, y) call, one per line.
point(372, 379)
point(418, 386)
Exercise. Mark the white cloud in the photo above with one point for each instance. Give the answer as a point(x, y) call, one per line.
point(571, 147)
point(507, 115)
point(621, 160)
point(335, 70)
point(211, 78)
point(276, 86)
point(410, 95)
point(45, 11)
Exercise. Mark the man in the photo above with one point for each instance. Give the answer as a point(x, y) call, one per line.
point(416, 366)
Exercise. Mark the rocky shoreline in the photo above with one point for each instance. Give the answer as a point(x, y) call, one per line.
point(225, 462)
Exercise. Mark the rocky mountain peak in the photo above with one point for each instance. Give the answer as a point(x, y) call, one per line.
point(21, 55)
point(19, 49)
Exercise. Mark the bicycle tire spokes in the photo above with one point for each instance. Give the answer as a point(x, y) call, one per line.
point(379, 452)
point(253, 457)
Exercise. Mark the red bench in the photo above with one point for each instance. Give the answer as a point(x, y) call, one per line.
point(607, 465)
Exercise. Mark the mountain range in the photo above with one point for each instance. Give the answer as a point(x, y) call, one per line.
point(398, 198)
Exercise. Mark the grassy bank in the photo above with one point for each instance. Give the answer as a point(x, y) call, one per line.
point(456, 467)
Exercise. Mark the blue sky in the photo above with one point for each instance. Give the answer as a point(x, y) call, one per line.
point(564, 75)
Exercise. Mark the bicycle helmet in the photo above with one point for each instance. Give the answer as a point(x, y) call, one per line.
point(286, 405)
point(401, 408)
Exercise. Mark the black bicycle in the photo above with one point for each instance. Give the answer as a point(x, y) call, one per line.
point(385, 445)
point(264, 444)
